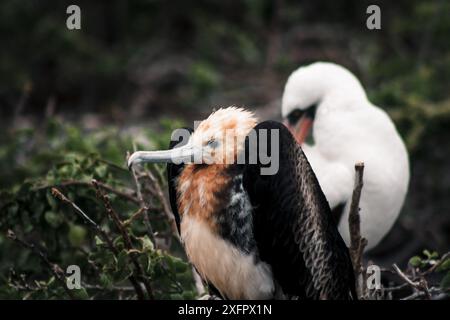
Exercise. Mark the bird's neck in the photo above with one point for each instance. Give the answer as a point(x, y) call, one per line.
point(333, 120)
point(202, 190)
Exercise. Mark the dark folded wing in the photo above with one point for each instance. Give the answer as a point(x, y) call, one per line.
point(293, 226)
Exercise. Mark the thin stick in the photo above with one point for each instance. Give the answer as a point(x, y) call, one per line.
point(357, 243)
point(58, 194)
point(55, 269)
point(126, 237)
point(144, 205)
point(405, 277)
point(417, 286)
point(396, 288)
point(160, 194)
point(67, 183)
point(134, 216)
point(434, 267)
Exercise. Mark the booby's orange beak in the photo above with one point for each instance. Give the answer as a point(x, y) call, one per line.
point(301, 129)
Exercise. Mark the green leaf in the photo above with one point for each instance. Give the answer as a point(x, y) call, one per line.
point(147, 244)
point(176, 296)
point(106, 281)
point(415, 261)
point(53, 219)
point(80, 294)
point(122, 260)
point(180, 266)
point(101, 171)
point(189, 295)
point(98, 241)
point(77, 235)
point(51, 200)
point(445, 282)
point(119, 243)
point(145, 261)
point(123, 269)
point(50, 281)
point(105, 258)
point(430, 255)
point(444, 266)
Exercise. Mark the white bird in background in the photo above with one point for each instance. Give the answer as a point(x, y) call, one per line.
point(348, 128)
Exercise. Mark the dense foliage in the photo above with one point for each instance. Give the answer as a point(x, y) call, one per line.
point(32, 211)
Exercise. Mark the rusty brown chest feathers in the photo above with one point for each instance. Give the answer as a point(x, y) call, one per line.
point(202, 191)
point(216, 195)
point(217, 231)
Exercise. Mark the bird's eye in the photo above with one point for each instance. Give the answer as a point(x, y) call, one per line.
point(294, 116)
point(212, 143)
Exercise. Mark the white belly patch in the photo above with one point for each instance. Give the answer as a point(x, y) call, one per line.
point(235, 274)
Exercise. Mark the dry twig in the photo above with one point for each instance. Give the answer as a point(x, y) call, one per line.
point(126, 237)
point(417, 286)
point(145, 206)
point(134, 216)
point(101, 233)
point(127, 195)
point(58, 194)
point(55, 269)
point(435, 266)
point(357, 243)
point(166, 208)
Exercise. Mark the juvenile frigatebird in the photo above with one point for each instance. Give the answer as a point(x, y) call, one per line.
point(252, 235)
point(347, 128)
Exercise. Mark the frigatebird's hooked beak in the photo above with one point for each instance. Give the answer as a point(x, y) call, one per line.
point(179, 155)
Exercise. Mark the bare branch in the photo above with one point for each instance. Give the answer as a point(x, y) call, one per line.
point(58, 194)
point(134, 216)
point(400, 273)
point(165, 205)
point(420, 285)
point(357, 243)
point(100, 232)
point(435, 266)
point(127, 240)
point(55, 269)
point(127, 195)
point(144, 205)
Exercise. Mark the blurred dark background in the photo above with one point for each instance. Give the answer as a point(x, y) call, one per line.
point(137, 68)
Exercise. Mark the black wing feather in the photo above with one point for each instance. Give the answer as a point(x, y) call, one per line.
point(293, 226)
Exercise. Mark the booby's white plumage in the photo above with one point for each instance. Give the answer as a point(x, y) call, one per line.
point(347, 129)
